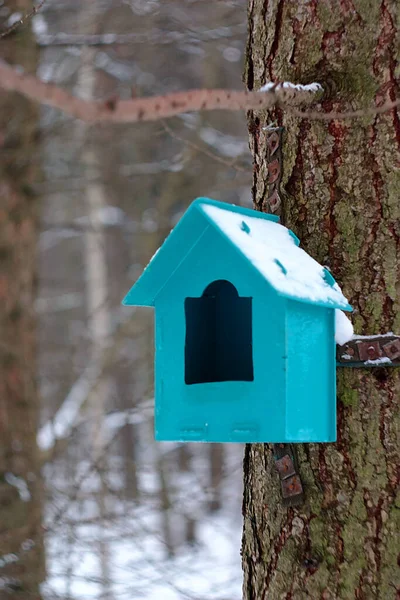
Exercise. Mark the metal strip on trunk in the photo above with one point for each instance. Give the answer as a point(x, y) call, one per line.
point(287, 467)
point(370, 351)
point(273, 203)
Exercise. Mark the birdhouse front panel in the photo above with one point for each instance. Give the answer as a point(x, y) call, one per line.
point(213, 367)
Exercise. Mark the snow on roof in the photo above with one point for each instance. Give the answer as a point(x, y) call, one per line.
point(343, 328)
point(273, 250)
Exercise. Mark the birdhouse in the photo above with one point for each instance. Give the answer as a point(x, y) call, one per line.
point(244, 331)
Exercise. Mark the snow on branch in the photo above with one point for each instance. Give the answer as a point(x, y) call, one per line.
point(155, 107)
point(313, 88)
point(19, 19)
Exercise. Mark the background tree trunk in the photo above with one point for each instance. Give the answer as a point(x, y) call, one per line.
point(341, 196)
point(21, 552)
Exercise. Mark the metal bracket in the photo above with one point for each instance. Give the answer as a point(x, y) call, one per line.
point(370, 351)
point(273, 203)
point(286, 464)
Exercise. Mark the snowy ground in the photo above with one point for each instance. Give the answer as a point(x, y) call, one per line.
point(122, 554)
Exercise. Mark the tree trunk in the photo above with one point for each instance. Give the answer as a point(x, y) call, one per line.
point(96, 284)
point(341, 196)
point(21, 552)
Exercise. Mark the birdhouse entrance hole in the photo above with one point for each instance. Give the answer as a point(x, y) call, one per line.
point(219, 328)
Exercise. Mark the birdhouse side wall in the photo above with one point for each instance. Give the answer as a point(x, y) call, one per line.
point(219, 411)
point(311, 373)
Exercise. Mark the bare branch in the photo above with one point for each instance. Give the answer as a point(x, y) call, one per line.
point(160, 107)
point(22, 20)
point(155, 107)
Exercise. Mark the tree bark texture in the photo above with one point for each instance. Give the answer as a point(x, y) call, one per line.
point(341, 196)
point(21, 553)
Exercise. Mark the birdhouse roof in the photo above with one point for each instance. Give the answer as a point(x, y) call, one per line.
point(270, 248)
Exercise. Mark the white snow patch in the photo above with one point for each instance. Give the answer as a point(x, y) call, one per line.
point(155, 254)
point(343, 328)
point(384, 360)
point(109, 216)
point(232, 54)
point(20, 484)
point(27, 545)
point(268, 86)
point(46, 72)
point(271, 248)
point(8, 559)
point(310, 87)
point(14, 18)
point(374, 336)
point(39, 25)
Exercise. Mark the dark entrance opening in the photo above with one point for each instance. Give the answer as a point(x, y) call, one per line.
point(218, 344)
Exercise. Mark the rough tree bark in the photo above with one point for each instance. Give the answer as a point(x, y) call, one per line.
point(341, 190)
point(21, 553)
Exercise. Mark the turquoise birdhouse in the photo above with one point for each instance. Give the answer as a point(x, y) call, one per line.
point(244, 331)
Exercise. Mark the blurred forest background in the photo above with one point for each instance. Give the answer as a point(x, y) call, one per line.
point(123, 517)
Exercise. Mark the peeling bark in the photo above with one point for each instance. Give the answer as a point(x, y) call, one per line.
point(341, 196)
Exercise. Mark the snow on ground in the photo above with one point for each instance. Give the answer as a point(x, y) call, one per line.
point(130, 535)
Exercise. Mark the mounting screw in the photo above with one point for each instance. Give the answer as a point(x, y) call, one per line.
point(285, 467)
point(291, 486)
point(274, 170)
point(273, 142)
point(392, 349)
point(369, 350)
point(274, 201)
